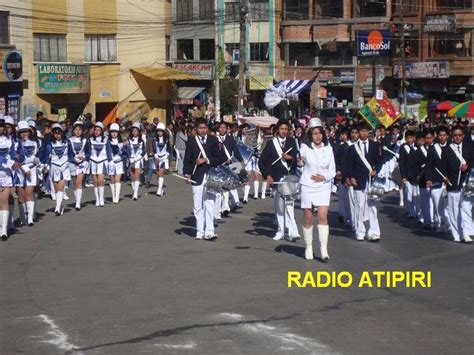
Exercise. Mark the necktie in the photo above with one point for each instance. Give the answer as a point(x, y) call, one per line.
point(365, 148)
point(203, 140)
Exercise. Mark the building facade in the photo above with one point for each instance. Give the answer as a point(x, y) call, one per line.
point(79, 57)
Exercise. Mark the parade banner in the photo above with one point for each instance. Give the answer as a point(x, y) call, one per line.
point(380, 112)
point(63, 79)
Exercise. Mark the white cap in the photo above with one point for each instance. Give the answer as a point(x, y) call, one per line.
point(32, 123)
point(56, 126)
point(8, 120)
point(160, 127)
point(78, 123)
point(29, 118)
point(23, 126)
point(137, 126)
point(100, 125)
point(315, 122)
point(114, 127)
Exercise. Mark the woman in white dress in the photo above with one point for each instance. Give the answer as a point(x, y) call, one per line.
point(79, 164)
point(137, 156)
point(99, 160)
point(319, 169)
point(117, 149)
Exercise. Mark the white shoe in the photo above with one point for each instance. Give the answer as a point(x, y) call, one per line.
point(360, 237)
point(278, 236)
point(374, 238)
point(467, 239)
point(89, 185)
point(65, 197)
point(210, 237)
point(199, 236)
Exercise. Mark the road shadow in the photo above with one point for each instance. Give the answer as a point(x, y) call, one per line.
point(263, 225)
point(187, 232)
point(295, 250)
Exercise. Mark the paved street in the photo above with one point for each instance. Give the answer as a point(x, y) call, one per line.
point(130, 279)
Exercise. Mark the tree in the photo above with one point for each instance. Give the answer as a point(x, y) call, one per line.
point(229, 92)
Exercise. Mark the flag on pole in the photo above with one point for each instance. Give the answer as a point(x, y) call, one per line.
point(380, 112)
point(110, 117)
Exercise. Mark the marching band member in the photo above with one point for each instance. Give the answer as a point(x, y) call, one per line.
point(10, 132)
point(364, 161)
point(406, 172)
point(228, 147)
point(426, 204)
point(7, 164)
point(343, 190)
point(457, 160)
point(79, 163)
point(352, 202)
point(26, 178)
point(252, 166)
point(137, 157)
point(435, 181)
point(319, 168)
point(278, 159)
point(99, 160)
point(117, 151)
point(160, 153)
point(202, 154)
point(57, 156)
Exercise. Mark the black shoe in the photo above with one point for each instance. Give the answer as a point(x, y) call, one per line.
point(4, 238)
point(255, 197)
point(57, 213)
point(78, 208)
point(244, 202)
point(225, 213)
point(134, 199)
point(324, 260)
point(31, 224)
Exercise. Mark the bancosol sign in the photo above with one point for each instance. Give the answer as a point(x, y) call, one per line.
point(374, 43)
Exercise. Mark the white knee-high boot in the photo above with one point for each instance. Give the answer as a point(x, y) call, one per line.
point(4, 214)
point(308, 241)
point(97, 198)
point(78, 193)
point(11, 217)
point(112, 190)
point(118, 186)
point(323, 231)
point(101, 196)
point(264, 189)
point(246, 192)
point(59, 203)
point(256, 184)
point(402, 203)
point(136, 186)
point(22, 208)
point(30, 208)
point(159, 192)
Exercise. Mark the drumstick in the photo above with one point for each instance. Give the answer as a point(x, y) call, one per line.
point(195, 166)
point(391, 151)
point(276, 161)
point(184, 178)
point(444, 177)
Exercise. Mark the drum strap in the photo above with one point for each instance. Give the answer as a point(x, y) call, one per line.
point(226, 151)
point(407, 148)
point(458, 154)
point(201, 148)
point(424, 151)
point(362, 157)
point(279, 151)
point(438, 149)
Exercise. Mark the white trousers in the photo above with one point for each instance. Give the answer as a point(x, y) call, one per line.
point(203, 208)
point(439, 207)
point(364, 205)
point(343, 202)
point(460, 215)
point(218, 206)
point(289, 211)
point(411, 198)
point(352, 205)
point(426, 206)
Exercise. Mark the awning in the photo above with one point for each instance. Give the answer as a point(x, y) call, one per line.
point(189, 92)
point(165, 73)
point(261, 121)
point(292, 87)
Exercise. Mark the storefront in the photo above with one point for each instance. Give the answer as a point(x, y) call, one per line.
point(11, 83)
point(337, 87)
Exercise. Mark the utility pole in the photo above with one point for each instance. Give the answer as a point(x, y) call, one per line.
point(402, 48)
point(242, 54)
point(217, 69)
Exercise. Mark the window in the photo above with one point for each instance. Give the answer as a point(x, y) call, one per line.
point(408, 6)
point(369, 8)
point(259, 52)
point(301, 54)
point(206, 9)
point(258, 10)
point(411, 46)
point(232, 11)
point(335, 53)
point(448, 5)
point(328, 9)
point(207, 49)
point(49, 48)
point(4, 28)
point(100, 48)
point(184, 10)
point(185, 49)
point(167, 48)
point(450, 44)
point(295, 10)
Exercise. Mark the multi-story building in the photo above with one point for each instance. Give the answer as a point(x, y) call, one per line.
point(89, 56)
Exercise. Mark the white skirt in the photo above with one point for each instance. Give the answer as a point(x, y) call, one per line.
point(59, 173)
point(320, 196)
point(82, 168)
point(137, 165)
point(252, 164)
point(6, 178)
point(163, 164)
point(98, 168)
point(22, 180)
point(116, 168)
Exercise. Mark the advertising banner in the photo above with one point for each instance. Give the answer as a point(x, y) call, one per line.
point(203, 71)
point(63, 79)
point(422, 70)
point(11, 66)
point(439, 23)
point(374, 43)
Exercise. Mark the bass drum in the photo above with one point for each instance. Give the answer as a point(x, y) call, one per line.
point(377, 188)
point(289, 186)
point(221, 179)
point(396, 177)
point(469, 187)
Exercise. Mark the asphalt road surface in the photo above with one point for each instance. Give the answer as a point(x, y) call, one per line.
point(131, 279)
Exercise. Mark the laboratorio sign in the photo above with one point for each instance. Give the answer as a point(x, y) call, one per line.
point(63, 69)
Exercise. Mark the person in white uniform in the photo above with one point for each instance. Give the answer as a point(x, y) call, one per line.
point(319, 168)
point(99, 160)
point(117, 151)
point(79, 164)
point(137, 157)
point(161, 152)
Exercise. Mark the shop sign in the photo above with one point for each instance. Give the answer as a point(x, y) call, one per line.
point(203, 71)
point(439, 23)
point(337, 76)
point(11, 66)
point(422, 70)
point(63, 79)
point(374, 43)
point(260, 82)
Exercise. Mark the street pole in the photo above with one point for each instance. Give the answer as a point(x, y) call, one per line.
point(217, 69)
point(402, 48)
point(374, 81)
point(243, 54)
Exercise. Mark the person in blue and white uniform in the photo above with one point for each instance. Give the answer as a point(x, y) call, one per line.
point(99, 161)
point(57, 156)
point(26, 178)
point(7, 165)
point(79, 164)
point(160, 154)
point(117, 150)
point(319, 168)
point(11, 133)
point(137, 157)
